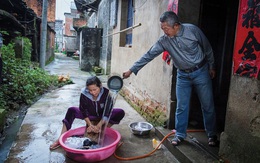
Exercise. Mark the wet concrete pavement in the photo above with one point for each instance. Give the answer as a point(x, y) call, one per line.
point(42, 123)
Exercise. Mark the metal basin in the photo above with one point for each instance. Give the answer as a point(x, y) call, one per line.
point(141, 128)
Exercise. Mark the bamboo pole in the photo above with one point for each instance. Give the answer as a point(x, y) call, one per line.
point(137, 25)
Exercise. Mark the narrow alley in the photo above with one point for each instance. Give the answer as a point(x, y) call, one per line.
point(42, 123)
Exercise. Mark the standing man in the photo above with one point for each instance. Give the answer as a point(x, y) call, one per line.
point(192, 55)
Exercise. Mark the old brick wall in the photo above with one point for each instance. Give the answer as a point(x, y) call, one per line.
point(50, 44)
point(36, 6)
point(68, 24)
point(152, 110)
point(79, 22)
point(51, 10)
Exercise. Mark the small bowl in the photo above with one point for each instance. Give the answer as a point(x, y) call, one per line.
point(141, 128)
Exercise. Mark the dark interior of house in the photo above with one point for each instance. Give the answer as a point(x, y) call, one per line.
point(218, 22)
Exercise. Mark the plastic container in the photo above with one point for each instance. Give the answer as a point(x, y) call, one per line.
point(112, 138)
point(156, 143)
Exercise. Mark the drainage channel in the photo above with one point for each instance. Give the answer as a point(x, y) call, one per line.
point(10, 135)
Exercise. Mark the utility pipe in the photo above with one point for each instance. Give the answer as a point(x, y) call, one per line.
point(43, 33)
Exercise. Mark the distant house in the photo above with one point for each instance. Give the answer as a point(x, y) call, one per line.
point(73, 21)
point(59, 28)
point(98, 14)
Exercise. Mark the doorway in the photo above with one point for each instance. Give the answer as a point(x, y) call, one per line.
point(218, 22)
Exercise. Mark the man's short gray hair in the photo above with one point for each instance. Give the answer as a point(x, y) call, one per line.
point(170, 17)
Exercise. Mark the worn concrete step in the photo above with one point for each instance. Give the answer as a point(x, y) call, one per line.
point(193, 149)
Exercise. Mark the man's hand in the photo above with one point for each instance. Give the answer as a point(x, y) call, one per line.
point(212, 73)
point(127, 74)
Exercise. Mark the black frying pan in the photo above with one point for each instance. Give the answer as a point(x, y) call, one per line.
point(115, 83)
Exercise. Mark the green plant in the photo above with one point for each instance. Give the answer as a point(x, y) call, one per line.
point(23, 81)
point(4, 32)
point(27, 48)
point(97, 69)
point(3, 103)
point(56, 48)
point(50, 59)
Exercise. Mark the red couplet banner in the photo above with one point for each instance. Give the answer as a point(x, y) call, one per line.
point(247, 44)
point(173, 6)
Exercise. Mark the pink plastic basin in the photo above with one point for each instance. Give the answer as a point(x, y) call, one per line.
point(112, 138)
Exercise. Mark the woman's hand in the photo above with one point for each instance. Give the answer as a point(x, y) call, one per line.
point(93, 128)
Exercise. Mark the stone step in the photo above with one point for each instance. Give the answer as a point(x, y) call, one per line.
point(193, 149)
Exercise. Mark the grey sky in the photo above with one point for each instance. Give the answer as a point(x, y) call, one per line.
point(62, 6)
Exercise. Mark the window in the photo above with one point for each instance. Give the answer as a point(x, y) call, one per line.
point(127, 15)
point(129, 23)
